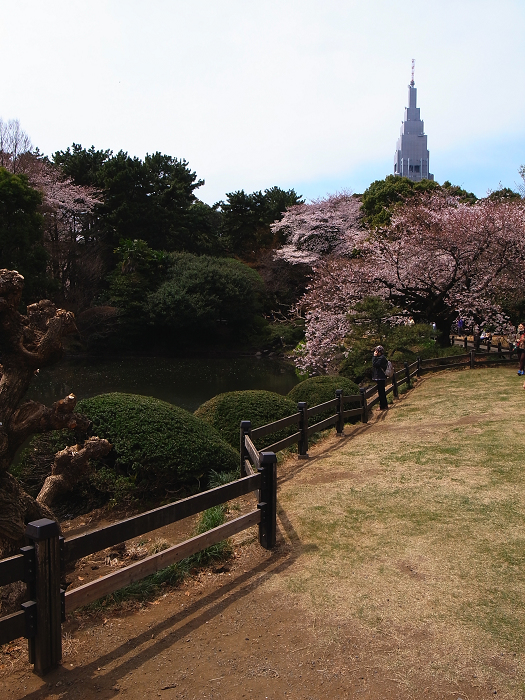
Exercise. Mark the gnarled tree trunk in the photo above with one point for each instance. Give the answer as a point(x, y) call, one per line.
point(28, 342)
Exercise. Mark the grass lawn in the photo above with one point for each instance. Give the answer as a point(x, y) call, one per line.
point(412, 533)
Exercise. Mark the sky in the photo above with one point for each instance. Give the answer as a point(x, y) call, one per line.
point(302, 94)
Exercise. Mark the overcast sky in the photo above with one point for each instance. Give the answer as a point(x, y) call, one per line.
point(307, 94)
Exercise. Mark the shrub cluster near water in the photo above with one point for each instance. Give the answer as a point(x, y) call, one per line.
point(226, 411)
point(157, 447)
point(155, 441)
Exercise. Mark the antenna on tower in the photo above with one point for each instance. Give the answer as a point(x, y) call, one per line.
point(413, 66)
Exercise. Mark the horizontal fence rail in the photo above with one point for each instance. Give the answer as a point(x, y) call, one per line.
point(130, 574)
point(366, 399)
point(12, 627)
point(39, 565)
point(94, 541)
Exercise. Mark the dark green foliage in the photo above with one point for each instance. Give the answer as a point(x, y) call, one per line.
point(83, 166)
point(381, 196)
point(246, 219)
point(226, 411)
point(21, 233)
point(140, 269)
point(456, 191)
point(157, 445)
point(402, 344)
point(152, 199)
point(202, 295)
point(316, 390)
point(504, 194)
point(181, 299)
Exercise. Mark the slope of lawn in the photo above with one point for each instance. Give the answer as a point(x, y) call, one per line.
point(412, 530)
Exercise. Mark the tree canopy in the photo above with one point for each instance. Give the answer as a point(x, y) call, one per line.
point(246, 219)
point(22, 232)
point(439, 259)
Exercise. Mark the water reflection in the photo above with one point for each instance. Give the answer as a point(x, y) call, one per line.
point(183, 382)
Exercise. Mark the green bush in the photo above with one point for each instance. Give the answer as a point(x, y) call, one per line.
point(156, 443)
point(226, 411)
point(316, 390)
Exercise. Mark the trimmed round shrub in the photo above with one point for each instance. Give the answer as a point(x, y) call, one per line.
point(226, 411)
point(317, 390)
point(155, 442)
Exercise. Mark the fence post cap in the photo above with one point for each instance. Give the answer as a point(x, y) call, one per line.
point(301, 405)
point(338, 392)
point(246, 425)
point(268, 458)
point(42, 529)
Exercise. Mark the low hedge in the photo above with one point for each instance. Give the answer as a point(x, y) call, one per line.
point(226, 411)
point(317, 390)
point(155, 441)
point(157, 447)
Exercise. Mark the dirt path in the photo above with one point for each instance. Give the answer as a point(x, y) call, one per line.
point(241, 630)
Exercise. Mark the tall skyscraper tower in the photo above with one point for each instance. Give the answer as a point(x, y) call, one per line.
point(411, 159)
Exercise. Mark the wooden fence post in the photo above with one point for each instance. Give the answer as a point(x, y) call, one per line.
point(394, 384)
point(489, 345)
point(340, 425)
point(465, 343)
point(407, 374)
point(246, 429)
point(472, 359)
point(499, 348)
point(364, 406)
point(268, 502)
point(418, 366)
point(46, 646)
point(302, 408)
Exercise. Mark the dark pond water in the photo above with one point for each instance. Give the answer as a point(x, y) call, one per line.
point(183, 382)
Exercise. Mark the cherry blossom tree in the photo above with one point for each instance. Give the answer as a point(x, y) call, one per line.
point(438, 260)
point(67, 209)
point(324, 227)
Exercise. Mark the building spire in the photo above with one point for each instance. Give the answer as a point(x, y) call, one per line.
point(412, 158)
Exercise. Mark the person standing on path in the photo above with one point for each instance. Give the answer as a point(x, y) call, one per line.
point(520, 347)
point(379, 365)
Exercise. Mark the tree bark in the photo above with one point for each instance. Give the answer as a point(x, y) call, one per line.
point(28, 342)
point(71, 465)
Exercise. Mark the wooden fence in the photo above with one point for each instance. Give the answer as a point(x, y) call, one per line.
point(41, 565)
point(362, 402)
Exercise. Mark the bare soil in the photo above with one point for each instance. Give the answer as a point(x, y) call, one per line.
point(238, 630)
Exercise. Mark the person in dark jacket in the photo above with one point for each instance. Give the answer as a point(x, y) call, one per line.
point(379, 364)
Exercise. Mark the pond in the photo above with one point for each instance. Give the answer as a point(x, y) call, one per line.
point(185, 382)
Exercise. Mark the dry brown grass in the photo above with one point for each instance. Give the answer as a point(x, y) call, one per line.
point(412, 531)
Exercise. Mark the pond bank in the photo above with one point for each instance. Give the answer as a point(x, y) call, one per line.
point(185, 382)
